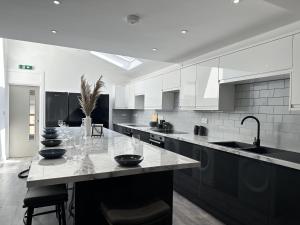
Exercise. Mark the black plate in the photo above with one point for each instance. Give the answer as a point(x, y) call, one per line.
point(52, 153)
point(51, 142)
point(129, 160)
point(50, 136)
point(50, 130)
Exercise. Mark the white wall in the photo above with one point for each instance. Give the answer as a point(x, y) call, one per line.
point(57, 69)
point(2, 101)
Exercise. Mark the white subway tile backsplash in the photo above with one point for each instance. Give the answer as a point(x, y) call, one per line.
point(266, 100)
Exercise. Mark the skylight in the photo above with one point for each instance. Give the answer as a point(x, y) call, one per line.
point(124, 62)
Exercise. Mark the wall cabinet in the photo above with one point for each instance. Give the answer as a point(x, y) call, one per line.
point(187, 98)
point(139, 88)
point(153, 93)
point(171, 81)
point(130, 97)
point(274, 57)
point(295, 76)
point(120, 97)
point(210, 95)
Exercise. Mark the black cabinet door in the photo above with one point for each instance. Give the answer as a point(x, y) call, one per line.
point(75, 112)
point(118, 128)
point(56, 108)
point(285, 207)
point(186, 181)
point(144, 136)
point(219, 181)
point(254, 191)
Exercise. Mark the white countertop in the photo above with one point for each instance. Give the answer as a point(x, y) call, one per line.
point(95, 160)
point(206, 141)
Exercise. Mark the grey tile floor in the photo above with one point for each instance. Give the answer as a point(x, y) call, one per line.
point(13, 189)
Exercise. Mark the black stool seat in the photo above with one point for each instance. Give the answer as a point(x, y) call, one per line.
point(45, 196)
point(146, 213)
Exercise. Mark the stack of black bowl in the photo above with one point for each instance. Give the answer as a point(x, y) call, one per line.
point(50, 140)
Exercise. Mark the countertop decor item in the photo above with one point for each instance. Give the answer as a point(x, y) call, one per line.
point(52, 153)
point(50, 130)
point(128, 160)
point(51, 142)
point(88, 101)
point(50, 136)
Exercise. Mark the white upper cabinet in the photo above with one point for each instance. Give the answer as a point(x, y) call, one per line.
point(120, 97)
point(171, 81)
point(267, 59)
point(187, 98)
point(295, 76)
point(207, 85)
point(139, 88)
point(130, 97)
point(153, 93)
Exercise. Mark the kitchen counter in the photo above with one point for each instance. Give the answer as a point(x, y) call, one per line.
point(96, 161)
point(283, 158)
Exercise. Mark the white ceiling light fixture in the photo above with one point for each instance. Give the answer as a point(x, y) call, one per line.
point(154, 49)
point(56, 2)
point(184, 31)
point(125, 62)
point(54, 31)
point(236, 1)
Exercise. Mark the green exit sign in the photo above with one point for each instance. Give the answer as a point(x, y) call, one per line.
point(25, 67)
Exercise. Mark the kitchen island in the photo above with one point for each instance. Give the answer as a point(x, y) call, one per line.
point(97, 177)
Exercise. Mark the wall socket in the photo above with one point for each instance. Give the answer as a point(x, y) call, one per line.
point(204, 120)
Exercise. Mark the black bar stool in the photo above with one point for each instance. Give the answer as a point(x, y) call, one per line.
point(54, 195)
point(151, 213)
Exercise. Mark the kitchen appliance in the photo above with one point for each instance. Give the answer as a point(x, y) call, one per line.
point(65, 106)
point(202, 131)
point(196, 129)
point(157, 140)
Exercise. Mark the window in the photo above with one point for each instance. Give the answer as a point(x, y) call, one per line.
point(31, 114)
point(125, 62)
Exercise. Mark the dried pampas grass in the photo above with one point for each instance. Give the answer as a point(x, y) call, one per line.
point(89, 98)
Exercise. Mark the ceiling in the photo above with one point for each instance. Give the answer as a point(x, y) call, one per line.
point(100, 25)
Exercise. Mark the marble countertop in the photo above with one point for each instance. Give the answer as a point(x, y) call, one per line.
point(93, 158)
point(288, 161)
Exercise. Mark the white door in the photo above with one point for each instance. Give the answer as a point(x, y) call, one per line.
point(23, 120)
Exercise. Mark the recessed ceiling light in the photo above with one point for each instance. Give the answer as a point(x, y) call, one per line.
point(184, 31)
point(236, 1)
point(56, 2)
point(154, 49)
point(53, 31)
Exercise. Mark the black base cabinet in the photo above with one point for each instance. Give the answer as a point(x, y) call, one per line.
point(285, 200)
point(236, 189)
point(144, 136)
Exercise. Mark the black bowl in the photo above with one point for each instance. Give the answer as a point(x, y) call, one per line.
point(50, 130)
point(129, 160)
point(52, 153)
point(51, 142)
point(50, 136)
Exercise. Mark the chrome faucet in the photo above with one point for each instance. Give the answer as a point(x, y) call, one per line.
point(256, 141)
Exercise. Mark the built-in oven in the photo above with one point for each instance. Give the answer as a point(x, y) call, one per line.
point(157, 140)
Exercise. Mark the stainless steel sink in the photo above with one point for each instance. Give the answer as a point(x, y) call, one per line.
point(246, 147)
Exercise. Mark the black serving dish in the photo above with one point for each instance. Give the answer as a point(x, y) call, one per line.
point(129, 160)
point(51, 142)
point(50, 136)
point(50, 130)
point(52, 153)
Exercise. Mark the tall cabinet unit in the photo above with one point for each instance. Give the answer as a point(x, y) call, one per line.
point(187, 98)
point(295, 76)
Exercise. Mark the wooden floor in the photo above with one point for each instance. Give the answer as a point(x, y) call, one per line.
point(13, 189)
